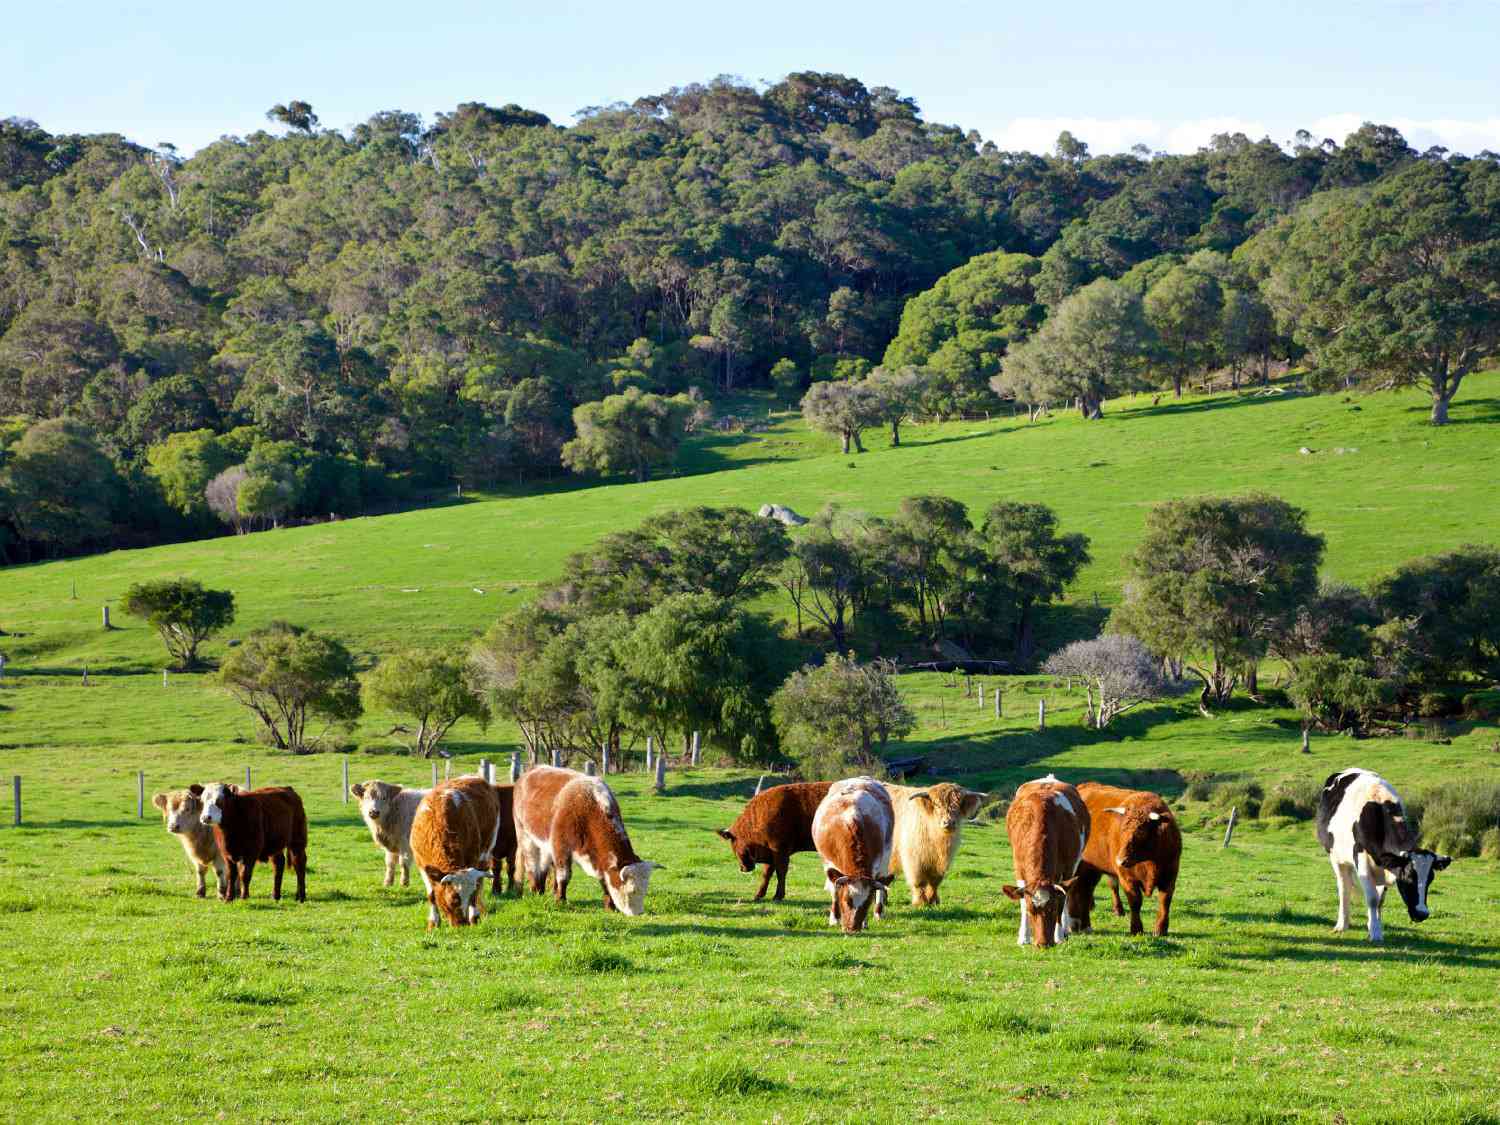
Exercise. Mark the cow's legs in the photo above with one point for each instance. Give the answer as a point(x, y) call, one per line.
point(1372, 909)
point(782, 863)
point(299, 865)
point(231, 887)
point(1114, 886)
point(765, 881)
point(1081, 898)
point(562, 871)
point(1023, 935)
point(202, 880)
point(278, 868)
point(609, 903)
point(1134, 896)
point(247, 868)
point(1163, 911)
point(1343, 877)
point(391, 859)
point(405, 870)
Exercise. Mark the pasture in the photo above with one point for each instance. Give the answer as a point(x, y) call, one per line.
point(123, 996)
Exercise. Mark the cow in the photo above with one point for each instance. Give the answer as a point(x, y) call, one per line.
point(772, 827)
point(1363, 827)
point(179, 811)
point(564, 816)
point(453, 838)
point(1135, 843)
point(853, 831)
point(929, 823)
point(388, 810)
point(257, 825)
point(1048, 825)
point(505, 841)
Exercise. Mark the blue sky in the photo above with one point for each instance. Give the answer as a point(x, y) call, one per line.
point(1164, 74)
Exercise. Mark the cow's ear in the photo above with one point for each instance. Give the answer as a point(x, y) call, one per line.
point(1440, 862)
point(726, 834)
point(357, 789)
point(196, 790)
point(160, 801)
point(886, 880)
point(832, 874)
point(1011, 892)
point(1391, 861)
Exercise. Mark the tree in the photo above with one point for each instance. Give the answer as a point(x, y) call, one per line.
point(61, 492)
point(431, 688)
point(1090, 348)
point(899, 394)
point(927, 547)
point(826, 574)
point(294, 114)
point(1454, 600)
point(786, 380)
point(287, 675)
point(1402, 286)
point(1033, 563)
point(833, 717)
point(182, 612)
point(1220, 577)
point(844, 409)
point(1184, 310)
point(632, 432)
point(1339, 693)
point(1119, 669)
point(222, 496)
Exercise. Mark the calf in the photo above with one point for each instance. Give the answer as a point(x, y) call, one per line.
point(453, 838)
point(1362, 826)
point(1048, 825)
point(853, 830)
point(772, 827)
point(1134, 841)
point(388, 811)
point(929, 823)
point(255, 825)
point(562, 816)
point(180, 810)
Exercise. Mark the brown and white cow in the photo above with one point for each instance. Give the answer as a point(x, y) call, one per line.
point(854, 831)
point(257, 825)
point(453, 838)
point(179, 811)
point(563, 816)
point(1134, 842)
point(1048, 825)
point(772, 827)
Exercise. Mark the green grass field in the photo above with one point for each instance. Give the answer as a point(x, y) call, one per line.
point(125, 997)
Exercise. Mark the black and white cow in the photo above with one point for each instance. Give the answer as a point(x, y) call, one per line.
point(1362, 826)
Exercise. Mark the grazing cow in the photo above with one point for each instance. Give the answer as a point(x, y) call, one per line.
point(505, 840)
point(853, 830)
point(1362, 826)
point(563, 816)
point(453, 838)
point(1135, 843)
point(388, 810)
point(929, 823)
point(1048, 825)
point(772, 827)
point(180, 810)
point(257, 825)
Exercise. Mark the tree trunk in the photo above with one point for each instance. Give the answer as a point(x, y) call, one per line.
point(1440, 402)
point(1177, 385)
point(895, 433)
point(859, 446)
point(845, 436)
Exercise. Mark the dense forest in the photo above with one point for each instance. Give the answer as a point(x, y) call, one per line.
point(316, 322)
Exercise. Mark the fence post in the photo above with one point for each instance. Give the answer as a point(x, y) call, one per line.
point(106, 617)
point(346, 781)
point(247, 775)
point(648, 753)
point(515, 767)
point(981, 695)
point(557, 757)
point(604, 759)
point(434, 775)
point(484, 768)
point(1306, 749)
point(85, 675)
point(997, 703)
point(759, 783)
point(1228, 832)
point(15, 789)
point(1096, 599)
point(588, 766)
point(163, 677)
point(695, 748)
point(1041, 714)
point(140, 794)
point(661, 774)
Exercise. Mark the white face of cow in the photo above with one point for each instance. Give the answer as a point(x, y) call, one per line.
point(467, 883)
point(214, 798)
point(629, 896)
point(376, 799)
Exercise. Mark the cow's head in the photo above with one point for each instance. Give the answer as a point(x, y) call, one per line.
point(1044, 903)
point(627, 885)
point(949, 805)
point(1141, 827)
point(180, 809)
point(377, 799)
point(456, 895)
point(854, 896)
point(1414, 871)
point(747, 852)
point(215, 798)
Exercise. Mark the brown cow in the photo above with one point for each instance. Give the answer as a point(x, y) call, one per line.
point(505, 841)
point(853, 830)
point(562, 816)
point(1136, 844)
point(253, 825)
point(452, 843)
point(772, 827)
point(1048, 825)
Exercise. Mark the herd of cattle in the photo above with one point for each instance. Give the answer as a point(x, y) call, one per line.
point(1064, 840)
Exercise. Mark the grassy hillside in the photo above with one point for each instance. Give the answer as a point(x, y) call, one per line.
point(127, 996)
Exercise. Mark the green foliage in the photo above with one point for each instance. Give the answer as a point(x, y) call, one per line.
point(633, 432)
point(834, 717)
point(182, 465)
point(1184, 310)
point(843, 409)
point(286, 675)
point(1454, 599)
point(430, 687)
point(182, 612)
point(1338, 693)
point(787, 380)
point(58, 490)
point(1458, 818)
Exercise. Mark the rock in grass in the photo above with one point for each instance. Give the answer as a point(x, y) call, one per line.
point(782, 514)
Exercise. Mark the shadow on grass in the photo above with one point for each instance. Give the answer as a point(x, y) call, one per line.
point(1402, 947)
point(1474, 412)
point(1225, 401)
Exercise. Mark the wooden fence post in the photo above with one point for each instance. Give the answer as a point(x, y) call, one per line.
point(484, 768)
point(247, 775)
point(1228, 832)
point(1306, 749)
point(106, 617)
point(163, 677)
point(434, 775)
point(588, 766)
point(1041, 714)
point(981, 695)
point(997, 703)
point(695, 748)
point(140, 794)
point(648, 753)
point(515, 767)
point(604, 759)
point(346, 781)
point(557, 757)
point(759, 783)
point(661, 773)
point(85, 675)
point(15, 790)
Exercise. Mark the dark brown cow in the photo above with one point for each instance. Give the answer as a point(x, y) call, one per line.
point(1136, 844)
point(505, 842)
point(772, 827)
point(1048, 825)
point(256, 825)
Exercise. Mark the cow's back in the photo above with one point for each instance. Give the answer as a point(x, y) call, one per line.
point(782, 816)
point(1049, 825)
point(283, 819)
point(456, 825)
point(853, 828)
point(535, 799)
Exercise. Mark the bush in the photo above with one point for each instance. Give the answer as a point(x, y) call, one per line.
point(1225, 791)
point(1437, 705)
point(1459, 819)
point(1489, 844)
point(1296, 798)
point(1481, 706)
point(182, 612)
point(833, 718)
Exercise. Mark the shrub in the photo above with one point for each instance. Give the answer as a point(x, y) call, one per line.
point(1437, 705)
point(430, 687)
point(831, 718)
point(1117, 667)
point(1459, 819)
point(1481, 706)
point(1296, 798)
point(182, 612)
point(1225, 791)
point(285, 675)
